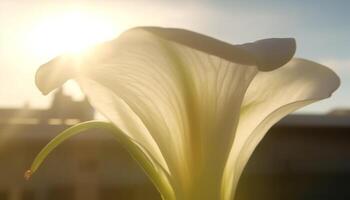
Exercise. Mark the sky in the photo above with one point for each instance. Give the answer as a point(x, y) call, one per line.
point(33, 32)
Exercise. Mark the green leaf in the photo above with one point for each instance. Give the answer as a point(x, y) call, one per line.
point(154, 171)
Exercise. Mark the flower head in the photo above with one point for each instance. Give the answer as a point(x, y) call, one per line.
point(190, 109)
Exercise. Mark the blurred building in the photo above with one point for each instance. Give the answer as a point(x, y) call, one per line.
point(302, 157)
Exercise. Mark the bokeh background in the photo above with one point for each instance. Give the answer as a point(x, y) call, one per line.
point(303, 157)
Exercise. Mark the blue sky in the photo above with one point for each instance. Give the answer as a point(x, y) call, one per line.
point(320, 28)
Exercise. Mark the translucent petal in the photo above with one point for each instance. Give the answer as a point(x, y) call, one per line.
point(118, 111)
point(271, 53)
point(267, 54)
point(55, 73)
point(270, 97)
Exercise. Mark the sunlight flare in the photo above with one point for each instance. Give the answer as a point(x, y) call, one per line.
point(70, 32)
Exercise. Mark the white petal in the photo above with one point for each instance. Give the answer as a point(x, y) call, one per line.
point(54, 74)
point(270, 97)
point(271, 53)
point(118, 111)
point(267, 54)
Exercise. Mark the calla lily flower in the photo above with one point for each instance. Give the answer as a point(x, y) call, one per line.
point(189, 108)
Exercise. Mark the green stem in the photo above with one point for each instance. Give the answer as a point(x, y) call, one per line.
point(155, 172)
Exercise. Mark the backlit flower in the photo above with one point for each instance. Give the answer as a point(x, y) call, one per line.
point(189, 108)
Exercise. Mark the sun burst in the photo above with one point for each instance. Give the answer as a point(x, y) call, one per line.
point(70, 32)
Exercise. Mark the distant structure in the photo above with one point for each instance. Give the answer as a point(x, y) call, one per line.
point(63, 111)
point(302, 157)
point(340, 111)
